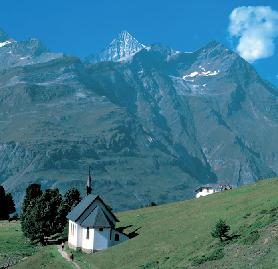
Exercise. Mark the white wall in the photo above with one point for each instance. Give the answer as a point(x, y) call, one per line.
point(87, 243)
point(74, 234)
point(102, 239)
point(204, 192)
point(122, 238)
point(98, 240)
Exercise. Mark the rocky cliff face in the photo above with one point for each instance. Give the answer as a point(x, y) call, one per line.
point(152, 127)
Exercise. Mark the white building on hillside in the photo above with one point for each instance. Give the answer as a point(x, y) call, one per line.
point(92, 224)
point(207, 189)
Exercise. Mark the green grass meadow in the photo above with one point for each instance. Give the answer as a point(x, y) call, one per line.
point(15, 249)
point(178, 235)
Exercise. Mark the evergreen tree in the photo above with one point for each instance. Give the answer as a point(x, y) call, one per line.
point(10, 204)
point(30, 213)
point(41, 216)
point(44, 213)
point(33, 191)
point(49, 204)
point(7, 206)
point(71, 199)
point(221, 230)
point(3, 207)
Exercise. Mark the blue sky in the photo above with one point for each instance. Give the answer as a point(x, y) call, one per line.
point(86, 26)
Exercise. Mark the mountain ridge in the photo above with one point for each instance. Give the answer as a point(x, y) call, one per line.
point(152, 127)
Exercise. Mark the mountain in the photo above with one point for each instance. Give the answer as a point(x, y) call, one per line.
point(20, 53)
point(152, 127)
point(121, 48)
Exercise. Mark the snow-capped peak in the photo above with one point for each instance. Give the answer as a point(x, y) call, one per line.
point(121, 47)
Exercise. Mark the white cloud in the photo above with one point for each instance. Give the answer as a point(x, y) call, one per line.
point(255, 27)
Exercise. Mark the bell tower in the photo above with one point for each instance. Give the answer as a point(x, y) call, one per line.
point(89, 182)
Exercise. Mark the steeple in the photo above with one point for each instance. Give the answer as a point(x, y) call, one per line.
point(89, 182)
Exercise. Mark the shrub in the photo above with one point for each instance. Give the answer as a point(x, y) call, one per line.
point(221, 230)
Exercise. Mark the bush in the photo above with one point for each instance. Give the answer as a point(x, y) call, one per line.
point(221, 230)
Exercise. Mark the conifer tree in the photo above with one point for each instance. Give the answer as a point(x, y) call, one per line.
point(7, 205)
point(44, 213)
point(3, 207)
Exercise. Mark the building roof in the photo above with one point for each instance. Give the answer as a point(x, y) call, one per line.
point(208, 186)
point(81, 207)
point(92, 212)
point(97, 219)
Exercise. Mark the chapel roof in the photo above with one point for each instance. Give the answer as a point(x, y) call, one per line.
point(97, 219)
point(92, 212)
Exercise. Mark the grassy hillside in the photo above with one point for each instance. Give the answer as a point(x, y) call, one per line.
point(13, 245)
point(14, 249)
point(47, 257)
point(178, 235)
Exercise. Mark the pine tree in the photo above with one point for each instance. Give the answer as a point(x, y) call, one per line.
point(221, 230)
point(30, 213)
point(33, 191)
point(10, 204)
point(44, 213)
point(41, 216)
point(7, 206)
point(3, 207)
point(71, 199)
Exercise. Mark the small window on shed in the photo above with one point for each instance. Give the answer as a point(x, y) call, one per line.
point(100, 229)
point(88, 233)
point(117, 237)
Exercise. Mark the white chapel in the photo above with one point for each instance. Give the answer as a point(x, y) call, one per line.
point(92, 225)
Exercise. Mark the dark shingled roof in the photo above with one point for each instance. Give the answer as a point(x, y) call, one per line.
point(97, 219)
point(81, 207)
point(88, 215)
point(209, 186)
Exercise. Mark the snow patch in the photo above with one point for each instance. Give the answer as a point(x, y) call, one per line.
point(192, 75)
point(201, 74)
point(2, 44)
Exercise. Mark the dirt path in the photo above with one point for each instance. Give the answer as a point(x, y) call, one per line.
point(65, 255)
